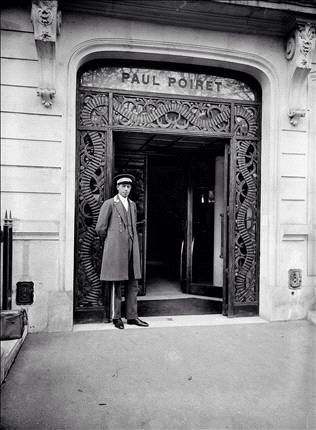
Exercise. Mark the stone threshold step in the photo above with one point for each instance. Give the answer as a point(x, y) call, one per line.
point(174, 321)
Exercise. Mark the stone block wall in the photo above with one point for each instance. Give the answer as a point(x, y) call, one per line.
point(31, 157)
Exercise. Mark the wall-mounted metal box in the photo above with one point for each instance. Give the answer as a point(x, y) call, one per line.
point(24, 293)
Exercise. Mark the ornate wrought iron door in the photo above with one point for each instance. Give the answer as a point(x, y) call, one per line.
point(93, 137)
point(243, 234)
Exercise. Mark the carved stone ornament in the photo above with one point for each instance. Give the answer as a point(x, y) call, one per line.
point(295, 279)
point(301, 43)
point(299, 51)
point(296, 114)
point(46, 20)
point(47, 96)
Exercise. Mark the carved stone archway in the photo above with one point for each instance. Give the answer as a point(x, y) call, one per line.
point(101, 112)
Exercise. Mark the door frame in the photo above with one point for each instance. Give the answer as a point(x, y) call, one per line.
point(224, 231)
point(189, 240)
point(247, 131)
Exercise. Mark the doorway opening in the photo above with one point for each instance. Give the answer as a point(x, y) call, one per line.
point(180, 195)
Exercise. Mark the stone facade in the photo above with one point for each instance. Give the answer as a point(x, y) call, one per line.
point(40, 60)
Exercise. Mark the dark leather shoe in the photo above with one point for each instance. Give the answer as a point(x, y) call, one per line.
point(138, 322)
point(118, 323)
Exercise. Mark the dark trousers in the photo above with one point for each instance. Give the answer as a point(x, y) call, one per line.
point(131, 291)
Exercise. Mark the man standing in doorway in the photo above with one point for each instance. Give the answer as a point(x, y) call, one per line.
point(121, 259)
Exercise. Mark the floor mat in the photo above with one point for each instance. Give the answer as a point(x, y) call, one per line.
point(189, 306)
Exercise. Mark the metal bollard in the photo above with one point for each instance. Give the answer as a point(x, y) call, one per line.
point(7, 262)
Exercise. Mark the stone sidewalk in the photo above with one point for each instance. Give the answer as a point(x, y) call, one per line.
point(239, 376)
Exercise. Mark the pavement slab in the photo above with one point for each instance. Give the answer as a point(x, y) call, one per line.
point(237, 376)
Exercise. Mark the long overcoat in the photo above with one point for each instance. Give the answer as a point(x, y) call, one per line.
point(111, 224)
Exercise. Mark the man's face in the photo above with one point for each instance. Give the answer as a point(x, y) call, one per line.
point(124, 189)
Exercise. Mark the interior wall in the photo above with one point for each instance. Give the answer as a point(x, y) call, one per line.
point(165, 219)
point(218, 211)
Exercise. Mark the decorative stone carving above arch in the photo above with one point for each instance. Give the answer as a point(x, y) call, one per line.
point(299, 51)
point(46, 20)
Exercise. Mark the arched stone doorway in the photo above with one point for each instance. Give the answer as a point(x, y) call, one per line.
point(119, 102)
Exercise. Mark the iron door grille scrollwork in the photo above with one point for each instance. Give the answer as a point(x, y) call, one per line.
point(176, 114)
point(244, 221)
point(94, 110)
point(90, 197)
point(92, 141)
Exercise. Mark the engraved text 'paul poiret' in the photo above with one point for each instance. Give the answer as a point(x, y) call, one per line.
point(167, 81)
point(172, 81)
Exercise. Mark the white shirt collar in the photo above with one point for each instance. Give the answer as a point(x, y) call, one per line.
point(124, 201)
